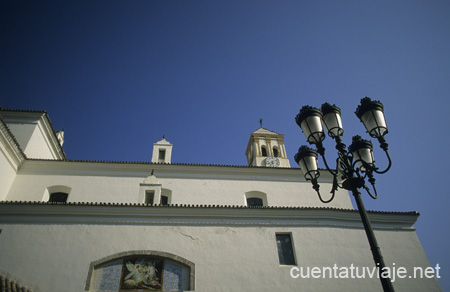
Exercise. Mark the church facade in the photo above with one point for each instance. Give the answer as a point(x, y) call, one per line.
point(72, 225)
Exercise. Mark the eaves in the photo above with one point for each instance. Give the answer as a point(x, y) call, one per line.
point(202, 215)
point(14, 152)
point(161, 170)
point(44, 123)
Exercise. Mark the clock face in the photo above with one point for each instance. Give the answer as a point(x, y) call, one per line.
point(272, 161)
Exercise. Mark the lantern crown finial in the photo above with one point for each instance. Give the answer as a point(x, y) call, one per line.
point(304, 151)
point(328, 108)
point(305, 112)
point(358, 142)
point(368, 104)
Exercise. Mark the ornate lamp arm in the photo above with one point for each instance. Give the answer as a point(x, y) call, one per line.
point(321, 151)
point(384, 146)
point(370, 194)
point(372, 182)
point(333, 190)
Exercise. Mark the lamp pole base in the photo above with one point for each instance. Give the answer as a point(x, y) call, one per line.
point(376, 252)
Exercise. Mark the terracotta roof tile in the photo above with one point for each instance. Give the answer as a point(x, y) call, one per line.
point(196, 206)
point(159, 163)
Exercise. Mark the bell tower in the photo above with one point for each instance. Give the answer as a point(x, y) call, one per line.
point(266, 148)
point(162, 151)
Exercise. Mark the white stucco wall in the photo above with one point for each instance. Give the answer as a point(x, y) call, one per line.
point(7, 172)
point(202, 185)
point(32, 140)
point(56, 257)
point(22, 132)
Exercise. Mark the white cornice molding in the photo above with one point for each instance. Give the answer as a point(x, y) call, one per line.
point(142, 170)
point(212, 216)
point(52, 140)
point(13, 154)
point(44, 125)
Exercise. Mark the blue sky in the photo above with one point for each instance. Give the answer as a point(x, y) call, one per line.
point(118, 75)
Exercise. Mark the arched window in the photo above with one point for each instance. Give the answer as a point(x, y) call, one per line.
point(275, 151)
point(166, 197)
point(263, 151)
point(256, 199)
point(141, 271)
point(164, 200)
point(57, 194)
point(58, 197)
point(254, 202)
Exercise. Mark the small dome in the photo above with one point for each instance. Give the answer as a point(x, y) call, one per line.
point(163, 141)
point(151, 180)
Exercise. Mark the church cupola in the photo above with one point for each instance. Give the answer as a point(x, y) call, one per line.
point(266, 148)
point(162, 151)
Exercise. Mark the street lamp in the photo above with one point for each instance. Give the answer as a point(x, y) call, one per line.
point(352, 167)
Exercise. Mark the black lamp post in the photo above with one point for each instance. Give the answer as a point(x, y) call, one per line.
point(352, 167)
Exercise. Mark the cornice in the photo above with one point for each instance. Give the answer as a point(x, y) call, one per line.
point(211, 215)
point(44, 123)
point(162, 170)
point(54, 142)
point(12, 146)
point(21, 110)
point(265, 131)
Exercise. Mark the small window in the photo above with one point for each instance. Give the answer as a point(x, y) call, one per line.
point(275, 152)
point(285, 250)
point(263, 151)
point(254, 202)
point(58, 197)
point(255, 199)
point(162, 154)
point(164, 200)
point(149, 195)
point(57, 193)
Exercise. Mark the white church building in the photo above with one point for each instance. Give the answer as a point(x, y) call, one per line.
point(72, 225)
